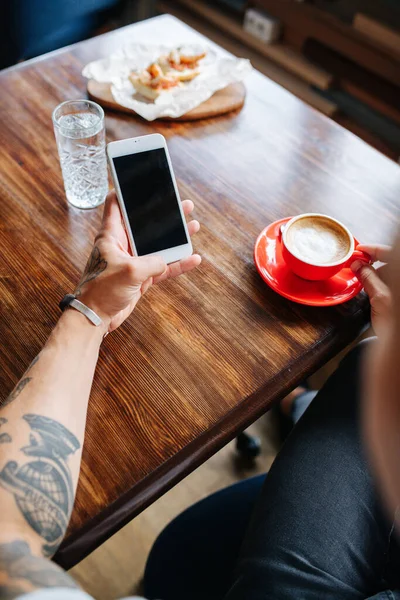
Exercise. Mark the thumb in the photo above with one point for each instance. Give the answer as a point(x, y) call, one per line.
point(112, 219)
point(144, 267)
point(378, 292)
point(372, 283)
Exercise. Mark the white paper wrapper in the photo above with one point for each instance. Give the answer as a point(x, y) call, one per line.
point(216, 73)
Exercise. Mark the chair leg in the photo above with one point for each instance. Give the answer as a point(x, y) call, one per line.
point(248, 446)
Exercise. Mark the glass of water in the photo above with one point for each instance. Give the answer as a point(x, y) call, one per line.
point(80, 136)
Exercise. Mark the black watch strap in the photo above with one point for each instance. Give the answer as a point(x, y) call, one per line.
point(66, 301)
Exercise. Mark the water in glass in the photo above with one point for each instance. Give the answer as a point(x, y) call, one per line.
point(81, 146)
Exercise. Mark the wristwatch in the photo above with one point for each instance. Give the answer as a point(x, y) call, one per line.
point(70, 300)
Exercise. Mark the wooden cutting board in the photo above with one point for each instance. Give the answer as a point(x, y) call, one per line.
point(230, 98)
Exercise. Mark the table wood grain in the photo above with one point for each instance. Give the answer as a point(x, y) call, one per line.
point(205, 355)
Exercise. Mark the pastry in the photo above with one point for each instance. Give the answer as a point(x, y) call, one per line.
point(152, 82)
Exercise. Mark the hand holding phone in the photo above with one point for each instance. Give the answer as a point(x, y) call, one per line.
point(114, 280)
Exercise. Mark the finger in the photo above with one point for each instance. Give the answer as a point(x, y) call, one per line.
point(372, 283)
point(378, 252)
point(113, 223)
point(146, 284)
point(193, 227)
point(384, 274)
point(187, 207)
point(179, 268)
point(141, 268)
point(112, 214)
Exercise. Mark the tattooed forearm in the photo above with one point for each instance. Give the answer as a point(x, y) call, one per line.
point(94, 267)
point(20, 385)
point(22, 572)
point(42, 487)
point(5, 438)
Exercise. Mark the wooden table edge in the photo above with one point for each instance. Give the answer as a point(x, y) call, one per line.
point(118, 514)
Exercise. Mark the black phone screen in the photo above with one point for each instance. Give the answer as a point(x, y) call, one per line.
point(150, 201)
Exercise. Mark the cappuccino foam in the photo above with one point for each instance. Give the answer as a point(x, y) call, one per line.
point(317, 240)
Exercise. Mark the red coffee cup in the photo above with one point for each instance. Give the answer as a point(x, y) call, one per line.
point(313, 270)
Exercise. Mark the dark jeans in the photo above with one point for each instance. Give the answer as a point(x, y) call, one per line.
point(317, 530)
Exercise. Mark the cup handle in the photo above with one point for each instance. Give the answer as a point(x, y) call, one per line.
point(359, 255)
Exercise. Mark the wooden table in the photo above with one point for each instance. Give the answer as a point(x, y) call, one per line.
point(203, 356)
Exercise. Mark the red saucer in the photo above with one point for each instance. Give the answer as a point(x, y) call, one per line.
point(273, 269)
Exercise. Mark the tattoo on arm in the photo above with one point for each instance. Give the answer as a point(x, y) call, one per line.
point(20, 385)
point(94, 267)
point(22, 572)
point(32, 364)
point(5, 438)
point(42, 487)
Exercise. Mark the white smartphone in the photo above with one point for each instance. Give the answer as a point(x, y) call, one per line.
point(148, 197)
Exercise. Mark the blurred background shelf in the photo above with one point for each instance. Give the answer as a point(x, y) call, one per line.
point(309, 21)
point(378, 33)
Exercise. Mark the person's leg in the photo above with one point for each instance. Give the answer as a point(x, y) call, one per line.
point(318, 530)
point(195, 556)
point(301, 404)
point(323, 529)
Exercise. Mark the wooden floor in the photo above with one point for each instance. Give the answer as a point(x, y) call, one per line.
point(115, 569)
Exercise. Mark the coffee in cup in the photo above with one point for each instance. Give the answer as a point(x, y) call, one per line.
point(318, 240)
point(316, 247)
